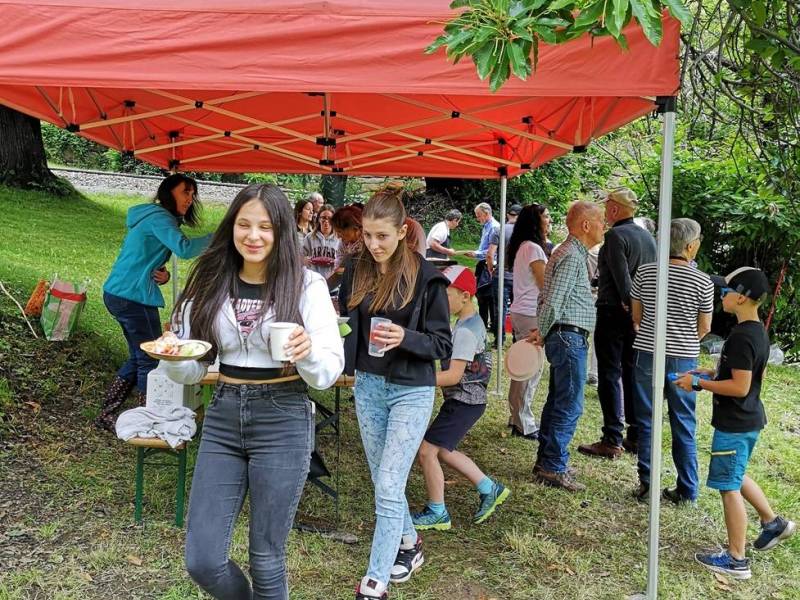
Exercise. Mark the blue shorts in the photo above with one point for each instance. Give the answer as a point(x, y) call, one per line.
point(730, 453)
point(452, 423)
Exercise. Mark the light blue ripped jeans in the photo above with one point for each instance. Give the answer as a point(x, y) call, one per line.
point(392, 419)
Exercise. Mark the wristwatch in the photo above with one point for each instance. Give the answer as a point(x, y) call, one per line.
point(696, 383)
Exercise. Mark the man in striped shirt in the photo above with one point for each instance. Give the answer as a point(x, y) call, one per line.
point(566, 318)
point(690, 302)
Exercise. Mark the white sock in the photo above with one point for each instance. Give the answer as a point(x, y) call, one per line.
point(408, 541)
point(372, 587)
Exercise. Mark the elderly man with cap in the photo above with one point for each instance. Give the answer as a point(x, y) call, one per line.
point(491, 263)
point(626, 246)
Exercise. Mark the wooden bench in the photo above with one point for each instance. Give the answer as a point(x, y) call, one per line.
point(176, 458)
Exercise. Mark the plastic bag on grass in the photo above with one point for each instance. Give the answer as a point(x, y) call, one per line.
point(62, 308)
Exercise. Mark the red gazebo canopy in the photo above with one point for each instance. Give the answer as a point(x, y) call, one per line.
point(340, 86)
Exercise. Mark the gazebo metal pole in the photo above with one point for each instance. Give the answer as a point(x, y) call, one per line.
point(667, 107)
point(501, 261)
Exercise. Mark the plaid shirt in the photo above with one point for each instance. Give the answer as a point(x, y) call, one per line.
point(566, 296)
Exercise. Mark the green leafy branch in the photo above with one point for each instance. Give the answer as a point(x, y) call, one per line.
point(503, 36)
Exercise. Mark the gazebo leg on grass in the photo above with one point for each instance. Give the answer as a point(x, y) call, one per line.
point(666, 106)
point(501, 258)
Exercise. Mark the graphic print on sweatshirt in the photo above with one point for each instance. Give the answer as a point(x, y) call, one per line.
point(247, 314)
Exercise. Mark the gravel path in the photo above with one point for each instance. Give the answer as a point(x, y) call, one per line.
point(140, 185)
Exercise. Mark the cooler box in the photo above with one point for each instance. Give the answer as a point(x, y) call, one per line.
point(163, 393)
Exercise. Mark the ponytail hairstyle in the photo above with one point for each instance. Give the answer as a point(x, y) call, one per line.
point(528, 228)
point(394, 289)
point(214, 278)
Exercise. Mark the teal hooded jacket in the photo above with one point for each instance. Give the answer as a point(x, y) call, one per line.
point(153, 235)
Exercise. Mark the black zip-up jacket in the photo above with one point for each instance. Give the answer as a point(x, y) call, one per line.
point(626, 247)
point(427, 338)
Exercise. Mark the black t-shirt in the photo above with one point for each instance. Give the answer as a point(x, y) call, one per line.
point(378, 365)
point(746, 349)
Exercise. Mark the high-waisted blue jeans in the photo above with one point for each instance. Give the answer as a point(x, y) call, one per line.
point(256, 438)
point(392, 419)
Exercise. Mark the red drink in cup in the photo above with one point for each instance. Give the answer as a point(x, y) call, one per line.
point(376, 348)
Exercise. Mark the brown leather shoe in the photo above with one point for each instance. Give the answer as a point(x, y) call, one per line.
point(571, 471)
point(601, 449)
point(630, 447)
point(559, 480)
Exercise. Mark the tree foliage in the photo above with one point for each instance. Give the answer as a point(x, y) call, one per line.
point(503, 36)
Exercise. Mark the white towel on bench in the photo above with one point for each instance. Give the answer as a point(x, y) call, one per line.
point(173, 425)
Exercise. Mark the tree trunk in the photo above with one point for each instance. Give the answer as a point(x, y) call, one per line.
point(332, 188)
point(23, 163)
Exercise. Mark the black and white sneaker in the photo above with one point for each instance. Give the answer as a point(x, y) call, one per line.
point(369, 589)
point(407, 562)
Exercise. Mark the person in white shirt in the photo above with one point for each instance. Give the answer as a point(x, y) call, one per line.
point(527, 257)
point(438, 241)
point(258, 433)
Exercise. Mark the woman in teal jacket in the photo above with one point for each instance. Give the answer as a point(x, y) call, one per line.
point(131, 293)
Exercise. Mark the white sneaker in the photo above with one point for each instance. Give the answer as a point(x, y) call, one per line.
point(370, 589)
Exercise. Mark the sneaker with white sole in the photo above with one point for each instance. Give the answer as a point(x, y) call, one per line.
point(725, 564)
point(407, 561)
point(369, 589)
point(773, 533)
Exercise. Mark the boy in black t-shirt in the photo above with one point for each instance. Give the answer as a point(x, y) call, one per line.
point(738, 417)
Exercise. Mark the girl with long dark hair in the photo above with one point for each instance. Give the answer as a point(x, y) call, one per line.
point(131, 293)
point(258, 433)
point(527, 257)
point(394, 366)
point(304, 216)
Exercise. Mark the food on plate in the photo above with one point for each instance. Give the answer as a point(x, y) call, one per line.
point(168, 344)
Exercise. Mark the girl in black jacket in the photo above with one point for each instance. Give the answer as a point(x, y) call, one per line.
point(395, 374)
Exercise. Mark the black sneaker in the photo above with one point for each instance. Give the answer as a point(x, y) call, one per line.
point(533, 435)
point(678, 499)
point(773, 532)
point(407, 562)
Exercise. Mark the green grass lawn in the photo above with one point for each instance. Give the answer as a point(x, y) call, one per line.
point(66, 491)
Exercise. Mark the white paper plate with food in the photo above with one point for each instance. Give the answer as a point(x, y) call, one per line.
point(170, 347)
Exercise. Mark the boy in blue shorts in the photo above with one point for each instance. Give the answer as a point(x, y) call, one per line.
point(738, 417)
point(463, 382)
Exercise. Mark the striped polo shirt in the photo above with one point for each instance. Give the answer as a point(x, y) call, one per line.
point(689, 293)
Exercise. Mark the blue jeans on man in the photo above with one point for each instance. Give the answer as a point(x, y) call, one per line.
point(566, 352)
point(681, 407)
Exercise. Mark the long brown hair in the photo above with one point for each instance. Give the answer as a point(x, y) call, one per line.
point(214, 277)
point(394, 289)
